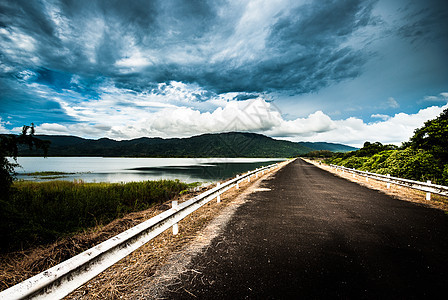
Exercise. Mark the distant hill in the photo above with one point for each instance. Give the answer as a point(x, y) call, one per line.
point(232, 144)
point(328, 146)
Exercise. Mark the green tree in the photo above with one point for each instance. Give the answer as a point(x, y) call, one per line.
point(433, 137)
point(370, 149)
point(319, 154)
point(9, 150)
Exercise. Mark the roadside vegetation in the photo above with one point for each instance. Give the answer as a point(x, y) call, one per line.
point(42, 212)
point(36, 213)
point(423, 157)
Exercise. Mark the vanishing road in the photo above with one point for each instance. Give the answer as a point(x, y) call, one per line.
point(311, 234)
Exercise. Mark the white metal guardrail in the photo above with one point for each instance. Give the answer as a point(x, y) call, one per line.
point(427, 187)
point(67, 276)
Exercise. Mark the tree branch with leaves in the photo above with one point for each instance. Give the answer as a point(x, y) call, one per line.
point(9, 150)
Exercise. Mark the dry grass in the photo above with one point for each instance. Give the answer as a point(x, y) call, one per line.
point(132, 272)
point(18, 266)
point(396, 191)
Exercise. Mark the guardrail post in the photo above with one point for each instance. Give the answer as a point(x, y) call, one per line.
point(248, 177)
point(367, 178)
point(428, 195)
point(218, 198)
point(237, 181)
point(174, 205)
point(256, 173)
point(388, 183)
point(353, 172)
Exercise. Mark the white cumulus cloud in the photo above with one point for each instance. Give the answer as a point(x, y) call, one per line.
point(178, 110)
point(380, 116)
point(395, 130)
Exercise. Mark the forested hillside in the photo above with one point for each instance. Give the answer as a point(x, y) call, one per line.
point(232, 144)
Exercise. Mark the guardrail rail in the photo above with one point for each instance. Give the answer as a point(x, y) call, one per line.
point(62, 279)
point(427, 187)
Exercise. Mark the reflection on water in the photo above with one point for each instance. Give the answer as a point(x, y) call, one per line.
point(207, 172)
point(98, 169)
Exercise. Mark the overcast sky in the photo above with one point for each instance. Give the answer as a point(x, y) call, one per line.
point(335, 71)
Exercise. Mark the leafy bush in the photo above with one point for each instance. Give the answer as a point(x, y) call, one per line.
point(354, 162)
point(414, 164)
point(444, 180)
point(374, 162)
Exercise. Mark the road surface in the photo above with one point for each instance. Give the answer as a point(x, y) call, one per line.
point(311, 234)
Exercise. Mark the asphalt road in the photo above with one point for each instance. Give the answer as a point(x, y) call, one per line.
point(315, 235)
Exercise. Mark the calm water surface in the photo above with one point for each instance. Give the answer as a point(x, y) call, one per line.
point(101, 169)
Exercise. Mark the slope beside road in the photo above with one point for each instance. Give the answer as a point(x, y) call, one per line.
point(308, 233)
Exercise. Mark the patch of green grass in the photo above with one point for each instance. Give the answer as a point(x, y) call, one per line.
point(47, 173)
point(41, 212)
point(190, 185)
point(52, 177)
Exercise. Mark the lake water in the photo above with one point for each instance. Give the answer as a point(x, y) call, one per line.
point(102, 169)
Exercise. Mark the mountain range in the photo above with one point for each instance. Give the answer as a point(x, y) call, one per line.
point(231, 144)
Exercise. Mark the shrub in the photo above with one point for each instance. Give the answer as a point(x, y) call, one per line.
point(444, 179)
point(354, 162)
point(374, 162)
point(412, 164)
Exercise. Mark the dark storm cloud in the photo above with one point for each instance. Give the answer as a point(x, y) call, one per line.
point(424, 22)
point(323, 25)
point(28, 15)
point(304, 48)
point(304, 51)
point(246, 96)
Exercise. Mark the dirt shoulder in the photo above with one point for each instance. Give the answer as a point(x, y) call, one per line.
point(396, 191)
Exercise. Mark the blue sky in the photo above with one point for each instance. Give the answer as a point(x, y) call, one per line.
point(335, 71)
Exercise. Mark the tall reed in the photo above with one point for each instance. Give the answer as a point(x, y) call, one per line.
point(41, 212)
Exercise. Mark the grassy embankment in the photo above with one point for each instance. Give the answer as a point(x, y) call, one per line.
point(41, 212)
